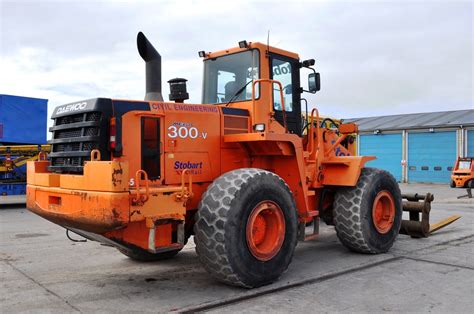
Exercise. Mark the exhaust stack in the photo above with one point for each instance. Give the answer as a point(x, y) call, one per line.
point(153, 68)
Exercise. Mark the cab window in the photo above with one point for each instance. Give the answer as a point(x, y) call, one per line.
point(225, 76)
point(282, 72)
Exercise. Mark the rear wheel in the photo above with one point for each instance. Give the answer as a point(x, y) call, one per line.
point(368, 216)
point(246, 228)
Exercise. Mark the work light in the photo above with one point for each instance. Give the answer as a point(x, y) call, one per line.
point(243, 44)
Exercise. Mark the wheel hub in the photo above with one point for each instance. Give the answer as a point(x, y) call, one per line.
point(265, 230)
point(383, 211)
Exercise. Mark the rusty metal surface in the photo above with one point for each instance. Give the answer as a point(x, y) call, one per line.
point(420, 204)
point(417, 204)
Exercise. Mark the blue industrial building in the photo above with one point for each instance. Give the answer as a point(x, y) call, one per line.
point(417, 148)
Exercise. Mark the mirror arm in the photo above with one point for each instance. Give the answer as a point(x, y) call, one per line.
point(311, 68)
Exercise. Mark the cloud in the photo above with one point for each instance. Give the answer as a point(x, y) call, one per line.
point(374, 57)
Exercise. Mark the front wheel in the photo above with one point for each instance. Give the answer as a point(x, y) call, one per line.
point(246, 228)
point(368, 216)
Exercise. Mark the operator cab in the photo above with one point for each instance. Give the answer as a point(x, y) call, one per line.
point(224, 76)
point(229, 76)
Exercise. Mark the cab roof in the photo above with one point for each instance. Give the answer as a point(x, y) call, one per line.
point(252, 45)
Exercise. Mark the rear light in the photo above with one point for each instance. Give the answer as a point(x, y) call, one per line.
point(112, 132)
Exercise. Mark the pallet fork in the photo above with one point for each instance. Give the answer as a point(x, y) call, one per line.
point(416, 204)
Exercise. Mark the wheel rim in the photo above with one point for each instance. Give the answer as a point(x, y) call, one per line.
point(383, 211)
point(265, 230)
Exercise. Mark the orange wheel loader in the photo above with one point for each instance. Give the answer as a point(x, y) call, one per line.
point(240, 171)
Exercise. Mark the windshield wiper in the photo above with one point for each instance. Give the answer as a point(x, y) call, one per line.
point(237, 93)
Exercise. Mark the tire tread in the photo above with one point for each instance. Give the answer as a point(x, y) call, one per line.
point(347, 214)
point(211, 219)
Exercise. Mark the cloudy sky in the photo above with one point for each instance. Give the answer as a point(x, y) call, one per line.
point(375, 58)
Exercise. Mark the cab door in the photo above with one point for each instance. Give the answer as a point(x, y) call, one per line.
point(287, 71)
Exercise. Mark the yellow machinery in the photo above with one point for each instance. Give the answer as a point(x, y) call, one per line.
point(13, 159)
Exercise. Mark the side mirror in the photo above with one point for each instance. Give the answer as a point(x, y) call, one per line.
point(314, 82)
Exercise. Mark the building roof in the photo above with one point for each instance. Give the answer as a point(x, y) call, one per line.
point(443, 119)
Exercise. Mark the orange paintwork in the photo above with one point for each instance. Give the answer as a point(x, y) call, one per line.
point(265, 230)
point(383, 212)
point(462, 177)
point(95, 212)
point(348, 128)
point(256, 45)
point(116, 172)
point(114, 199)
point(134, 234)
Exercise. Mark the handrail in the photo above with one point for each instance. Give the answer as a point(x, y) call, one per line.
point(271, 108)
point(310, 131)
point(138, 196)
point(183, 185)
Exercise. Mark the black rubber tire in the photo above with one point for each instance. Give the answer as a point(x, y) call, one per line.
point(452, 184)
point(220, 229)
point(141, 255)
point(353, 212)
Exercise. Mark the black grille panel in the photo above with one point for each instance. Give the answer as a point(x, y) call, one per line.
point(66, 162)
point(70, 119)
point(77, 132)
point(74, 137)
point(93, 116)
point(69, 147)
point(90, 146)
point(91, 131)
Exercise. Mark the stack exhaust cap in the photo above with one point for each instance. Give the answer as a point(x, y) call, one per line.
point(152, 68)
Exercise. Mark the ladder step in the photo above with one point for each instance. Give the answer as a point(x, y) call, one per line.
point(302, 236)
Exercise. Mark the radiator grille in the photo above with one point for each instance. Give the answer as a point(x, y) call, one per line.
point(93, 116)
point(70, 119)
point(70, 161)
point(68, 133)
point(71, 146)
